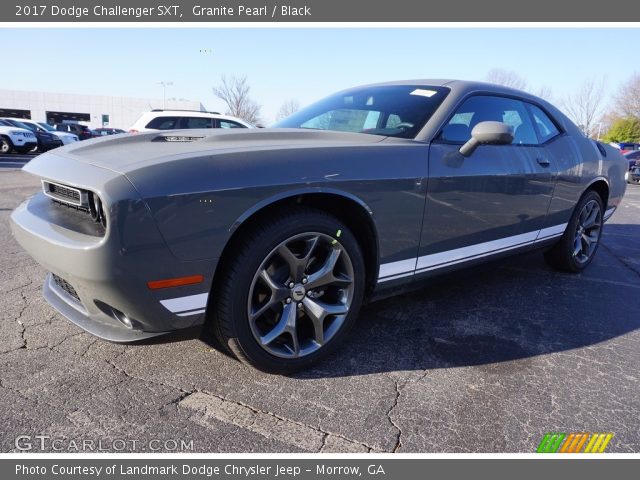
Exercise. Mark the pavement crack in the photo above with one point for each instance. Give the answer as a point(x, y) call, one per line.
point(620, 259)
point(324, 442)
point(398, 444)
point(89, 345)
point(19, 320)
point(183, 393)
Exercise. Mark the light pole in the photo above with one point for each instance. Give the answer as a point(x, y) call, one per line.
point(599, 130)
point(164, 92)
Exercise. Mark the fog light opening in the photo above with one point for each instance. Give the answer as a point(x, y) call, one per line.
point(123, 319)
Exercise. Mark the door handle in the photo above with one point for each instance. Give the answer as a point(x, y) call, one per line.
point(543, 161)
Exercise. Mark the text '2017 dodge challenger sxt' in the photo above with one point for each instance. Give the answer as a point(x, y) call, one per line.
point(275, 237)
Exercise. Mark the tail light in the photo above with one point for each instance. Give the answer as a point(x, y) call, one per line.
point(133, 131)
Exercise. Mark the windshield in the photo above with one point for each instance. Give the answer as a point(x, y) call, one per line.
point(46, 126)
point(393, 111)
point(18, 124)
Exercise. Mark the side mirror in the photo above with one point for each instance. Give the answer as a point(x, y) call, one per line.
point(487, 133)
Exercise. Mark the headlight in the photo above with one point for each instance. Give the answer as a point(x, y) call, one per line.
point(15, 132)
point(95, 209)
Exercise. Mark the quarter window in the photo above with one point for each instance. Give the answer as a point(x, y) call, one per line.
point(230, 124)
point(546, 127)
point(483, 108)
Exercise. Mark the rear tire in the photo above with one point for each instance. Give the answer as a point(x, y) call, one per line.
point(579, 243)
point(289, 292)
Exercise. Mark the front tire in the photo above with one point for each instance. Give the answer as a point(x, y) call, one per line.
point(290, 292)
point(5, 145)
point(579, 243)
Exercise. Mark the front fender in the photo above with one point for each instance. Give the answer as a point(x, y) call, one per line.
point(296, 192)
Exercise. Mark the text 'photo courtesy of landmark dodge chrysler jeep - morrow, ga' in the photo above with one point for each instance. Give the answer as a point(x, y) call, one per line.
point(275, 237)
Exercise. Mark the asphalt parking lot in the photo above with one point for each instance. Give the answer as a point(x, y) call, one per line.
point(485, 361)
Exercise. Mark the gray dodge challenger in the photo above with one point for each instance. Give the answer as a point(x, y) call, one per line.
point(274, 238)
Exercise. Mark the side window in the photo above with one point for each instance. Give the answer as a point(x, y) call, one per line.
point(546, 127)
point(230, 124)
point(483, 108)
point(196, 122)
point(162, 123)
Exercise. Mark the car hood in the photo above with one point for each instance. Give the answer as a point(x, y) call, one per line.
point(62, 134)
point(126, 153)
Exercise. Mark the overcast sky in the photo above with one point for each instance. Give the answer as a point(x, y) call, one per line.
point(303, 64)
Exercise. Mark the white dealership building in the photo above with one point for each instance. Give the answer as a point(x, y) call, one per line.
point(92, 110)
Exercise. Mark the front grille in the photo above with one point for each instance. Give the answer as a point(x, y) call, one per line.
point(66, 286)
point(60, 191)
point(64, 193)
point(79, 199)
point(71, 206)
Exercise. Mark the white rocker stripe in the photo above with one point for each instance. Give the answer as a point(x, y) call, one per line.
point(550, 232)
point(193, 312)
point(608, 213)
point(403, 268)
point(395, 269)
point(443, 259)
point(394, 277)
point(186, 304)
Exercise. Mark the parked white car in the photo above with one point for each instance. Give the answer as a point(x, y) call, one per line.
point(184, 119)
point(19, 139)
point(66, 137)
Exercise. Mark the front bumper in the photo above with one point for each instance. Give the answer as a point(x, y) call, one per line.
point(20, 141)
point(101, 326)
point(107, 271)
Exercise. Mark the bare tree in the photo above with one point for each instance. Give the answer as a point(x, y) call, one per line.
point(544, 92)
point(289, 107)
point(234, 91)
point(585, 106)
point(627, 101)
point(508, 78)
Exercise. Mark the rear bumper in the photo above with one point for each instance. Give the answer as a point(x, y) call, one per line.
point(108, 271)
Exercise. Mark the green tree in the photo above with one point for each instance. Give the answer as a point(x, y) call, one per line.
point(624, 130)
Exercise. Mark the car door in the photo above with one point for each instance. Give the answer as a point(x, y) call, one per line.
point(492, 201)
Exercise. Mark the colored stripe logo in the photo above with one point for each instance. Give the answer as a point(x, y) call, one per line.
point(574, 442)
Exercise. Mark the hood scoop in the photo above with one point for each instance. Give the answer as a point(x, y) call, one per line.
point(177, 138)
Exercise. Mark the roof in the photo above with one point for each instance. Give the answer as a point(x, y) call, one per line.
point(456, 86)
